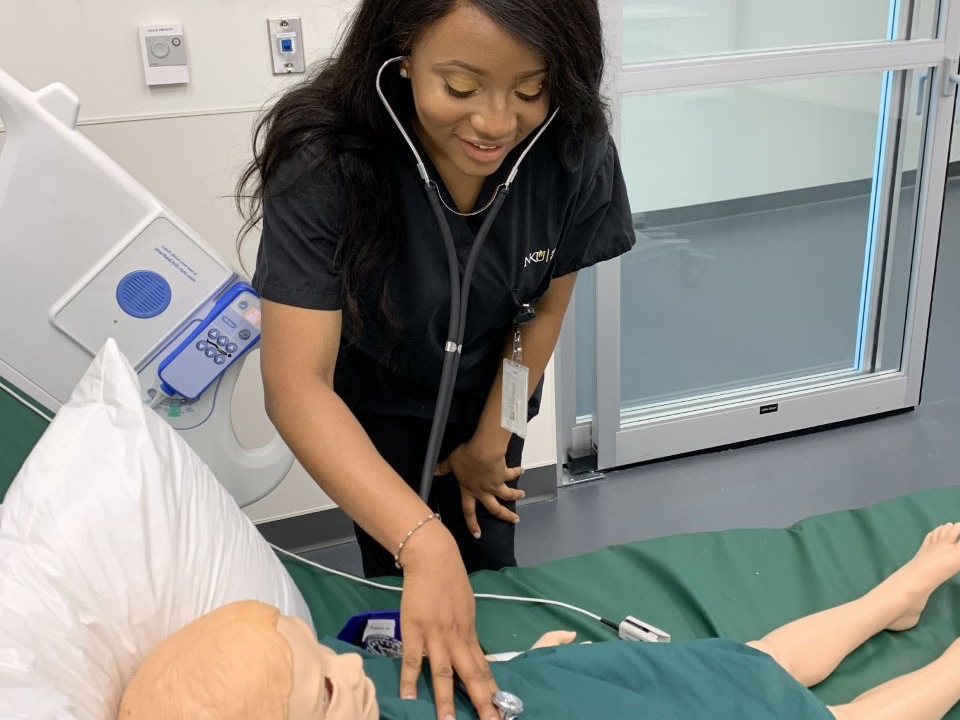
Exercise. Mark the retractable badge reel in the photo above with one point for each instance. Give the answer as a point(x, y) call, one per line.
point(514, 390)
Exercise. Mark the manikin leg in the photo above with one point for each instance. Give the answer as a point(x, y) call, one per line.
point(811, 648)
point(926, 694)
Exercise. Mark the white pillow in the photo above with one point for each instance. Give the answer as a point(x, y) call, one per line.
point(113, 536)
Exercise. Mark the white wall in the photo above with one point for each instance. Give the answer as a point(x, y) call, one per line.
point(93, 47)
point(187, 144)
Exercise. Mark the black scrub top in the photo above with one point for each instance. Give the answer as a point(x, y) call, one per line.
point(553, 222)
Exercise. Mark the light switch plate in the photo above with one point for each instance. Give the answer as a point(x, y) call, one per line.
point(286, 45)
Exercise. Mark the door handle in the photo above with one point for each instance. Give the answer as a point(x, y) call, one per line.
point(920, 91)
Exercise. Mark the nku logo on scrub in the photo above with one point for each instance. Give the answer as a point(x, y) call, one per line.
point(539, 256)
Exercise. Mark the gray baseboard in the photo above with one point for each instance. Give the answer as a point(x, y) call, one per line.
point(316, 530)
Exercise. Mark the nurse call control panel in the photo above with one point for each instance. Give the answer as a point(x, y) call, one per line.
point(226, 333)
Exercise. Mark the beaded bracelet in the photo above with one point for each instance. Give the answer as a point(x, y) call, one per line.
point(396, 557)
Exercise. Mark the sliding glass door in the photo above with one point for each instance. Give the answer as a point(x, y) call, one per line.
point(785, 165)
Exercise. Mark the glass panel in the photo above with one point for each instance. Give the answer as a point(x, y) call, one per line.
point(941, 381)
point(901, 254)
point(759, 213)
point(670, 29)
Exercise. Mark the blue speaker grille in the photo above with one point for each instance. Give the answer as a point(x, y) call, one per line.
point(143, 294)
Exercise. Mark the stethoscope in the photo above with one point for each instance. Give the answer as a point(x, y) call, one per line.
point(509, 705)
point(459, 291)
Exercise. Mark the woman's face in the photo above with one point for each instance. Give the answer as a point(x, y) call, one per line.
point(326, 685)
point(478, 92)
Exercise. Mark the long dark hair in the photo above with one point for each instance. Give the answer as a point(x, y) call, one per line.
point(335, 116)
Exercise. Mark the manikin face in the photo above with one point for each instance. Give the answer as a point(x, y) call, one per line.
point(478, 92)
point(325, 685)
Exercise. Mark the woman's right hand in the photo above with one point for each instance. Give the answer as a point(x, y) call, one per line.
point(298, 359)
point(438, 622)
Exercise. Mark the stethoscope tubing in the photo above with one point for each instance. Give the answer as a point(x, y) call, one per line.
point(459, 296)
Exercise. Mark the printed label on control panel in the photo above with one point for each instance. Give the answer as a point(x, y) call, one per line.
point(177, 262)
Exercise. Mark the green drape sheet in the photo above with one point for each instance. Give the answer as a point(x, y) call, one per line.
point(734, 584)
point(19, 431)
point(707, 679)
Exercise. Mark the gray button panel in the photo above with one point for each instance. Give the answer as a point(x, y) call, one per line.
point(166, 50)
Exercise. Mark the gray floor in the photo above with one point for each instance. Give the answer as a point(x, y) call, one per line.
point(772, 484)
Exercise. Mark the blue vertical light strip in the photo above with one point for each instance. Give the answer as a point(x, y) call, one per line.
point(883, 124)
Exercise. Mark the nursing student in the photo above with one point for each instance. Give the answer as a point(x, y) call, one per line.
point(354, 273)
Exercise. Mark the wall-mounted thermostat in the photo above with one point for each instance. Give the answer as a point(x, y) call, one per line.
point(286, 45)
point(163, 49)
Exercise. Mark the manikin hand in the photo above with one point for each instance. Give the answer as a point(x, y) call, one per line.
point(438, 621)
point(554, 638)
point(484, 479)
point(547, 640)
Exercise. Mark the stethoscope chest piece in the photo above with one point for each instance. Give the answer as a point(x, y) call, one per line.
point(509, 705)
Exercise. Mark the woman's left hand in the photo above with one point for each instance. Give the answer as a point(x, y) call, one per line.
point(483, 479)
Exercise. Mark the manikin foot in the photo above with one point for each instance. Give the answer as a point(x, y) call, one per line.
point(937, 560)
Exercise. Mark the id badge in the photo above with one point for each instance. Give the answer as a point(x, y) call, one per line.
point(513, 398)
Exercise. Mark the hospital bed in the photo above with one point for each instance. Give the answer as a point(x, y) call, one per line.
point(94, 574)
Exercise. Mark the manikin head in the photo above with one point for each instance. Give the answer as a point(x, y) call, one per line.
point(245, 661)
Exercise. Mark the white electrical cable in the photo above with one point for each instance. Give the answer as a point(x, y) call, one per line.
point(348, 576)
point(540, 601)
point(479, 596)
point(26, 403)
point(158, 398)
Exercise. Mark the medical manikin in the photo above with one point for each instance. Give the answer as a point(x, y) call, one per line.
point(205, 671)
point(245, 661)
